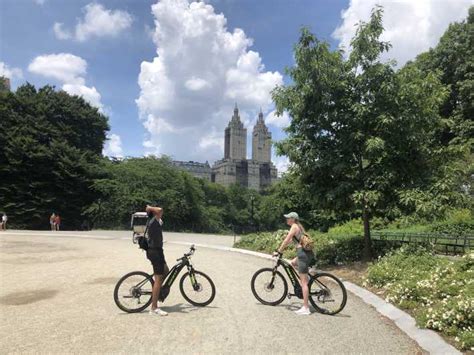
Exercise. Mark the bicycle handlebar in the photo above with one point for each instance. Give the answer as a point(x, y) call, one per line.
point(187, 255)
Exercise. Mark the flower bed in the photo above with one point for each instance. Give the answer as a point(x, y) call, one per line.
point(438, 291)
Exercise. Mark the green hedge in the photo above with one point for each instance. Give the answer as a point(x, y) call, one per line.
point(330, 248)
point(439, 291)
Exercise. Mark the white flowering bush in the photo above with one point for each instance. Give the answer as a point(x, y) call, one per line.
point(439, 291)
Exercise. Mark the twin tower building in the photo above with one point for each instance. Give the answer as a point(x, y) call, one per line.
point(256, 173)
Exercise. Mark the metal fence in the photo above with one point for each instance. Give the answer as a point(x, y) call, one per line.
point(449, 244)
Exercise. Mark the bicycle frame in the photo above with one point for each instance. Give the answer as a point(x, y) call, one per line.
point(292, 275)
point(169, 278)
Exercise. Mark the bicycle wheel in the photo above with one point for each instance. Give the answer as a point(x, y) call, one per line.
point(269, 287)
point(199, 290)
point(327, 293)
point(132, 294)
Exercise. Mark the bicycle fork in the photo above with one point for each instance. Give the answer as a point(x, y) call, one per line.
point(192, 277)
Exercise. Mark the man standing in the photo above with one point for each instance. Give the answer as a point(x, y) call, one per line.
point(155, 255)
point(4, 221)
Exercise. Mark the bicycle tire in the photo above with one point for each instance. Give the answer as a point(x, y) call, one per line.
point(117, 287)
point(341, 286)
point(187, 298)
point(257, 296)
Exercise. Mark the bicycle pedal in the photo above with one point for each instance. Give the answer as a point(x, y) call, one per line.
point(289, 296)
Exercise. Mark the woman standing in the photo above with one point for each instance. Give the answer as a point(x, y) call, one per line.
point(304, 257)
point(51, 221)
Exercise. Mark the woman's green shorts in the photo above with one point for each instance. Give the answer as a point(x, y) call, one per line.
point(305, 260)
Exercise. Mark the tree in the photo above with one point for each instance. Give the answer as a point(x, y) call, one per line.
point(453, 59)
point(51, 147)
point(360, 131)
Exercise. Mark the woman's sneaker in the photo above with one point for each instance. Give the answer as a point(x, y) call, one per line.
point(158, 312)
point(303, 311)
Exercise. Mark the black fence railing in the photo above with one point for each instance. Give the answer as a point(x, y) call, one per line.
point(449, 244)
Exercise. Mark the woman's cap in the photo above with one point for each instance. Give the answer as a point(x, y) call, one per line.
point(292, 215)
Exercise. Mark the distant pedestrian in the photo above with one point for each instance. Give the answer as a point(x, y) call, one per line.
point(4, 222)
point(51, 221)
point(57, 222)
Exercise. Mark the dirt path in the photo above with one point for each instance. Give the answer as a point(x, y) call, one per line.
point(56, 296)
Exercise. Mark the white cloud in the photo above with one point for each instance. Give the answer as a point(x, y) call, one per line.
point(9, 72)
point(60, 32)
point(282, 121)
point(411, 26)
point(196, 84)
point(113, 146)
point(90, 94)
point(64, 67)
point(70, 70)
point(189, 89)
point(97, 22)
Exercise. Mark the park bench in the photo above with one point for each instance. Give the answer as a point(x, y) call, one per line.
point(448, 244)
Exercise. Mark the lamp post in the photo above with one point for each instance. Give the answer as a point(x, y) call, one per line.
point(252, 198)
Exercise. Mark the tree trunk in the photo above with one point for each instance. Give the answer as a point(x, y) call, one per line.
point(367, 256)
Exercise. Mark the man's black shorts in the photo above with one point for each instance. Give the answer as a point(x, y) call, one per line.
point(157, 258)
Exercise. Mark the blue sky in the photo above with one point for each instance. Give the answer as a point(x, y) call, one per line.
point(105, 42)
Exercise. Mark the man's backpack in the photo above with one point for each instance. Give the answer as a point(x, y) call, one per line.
point(143, 239)
point(142, 242)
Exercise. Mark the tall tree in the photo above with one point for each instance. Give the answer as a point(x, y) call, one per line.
point(453, 59)
point(360, 131)
point(51, 145)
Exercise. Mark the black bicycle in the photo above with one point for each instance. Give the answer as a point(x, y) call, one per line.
point(327, 293)
point(132, 293)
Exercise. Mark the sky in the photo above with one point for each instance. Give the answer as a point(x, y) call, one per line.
point(168, 73)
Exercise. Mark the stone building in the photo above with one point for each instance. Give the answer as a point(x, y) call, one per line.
point(199, 170)
point(256, 173)
point(4, 84)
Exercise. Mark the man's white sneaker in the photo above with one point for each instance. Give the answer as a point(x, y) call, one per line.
point(158, 312)
point(303, 311)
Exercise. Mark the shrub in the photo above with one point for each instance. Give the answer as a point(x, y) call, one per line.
point(330, 248)
point(459, 223)
point(439, 291)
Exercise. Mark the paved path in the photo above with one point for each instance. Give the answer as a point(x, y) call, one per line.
point(56, 296)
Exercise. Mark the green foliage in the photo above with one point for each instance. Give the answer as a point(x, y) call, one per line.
point(330, 248)
point(439, 291)
point(360, 130)
point(459, 223)
point(189, 203)
point(51, 148)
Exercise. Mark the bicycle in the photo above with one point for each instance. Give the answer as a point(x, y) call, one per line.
point(132, 294)
point(270, 287)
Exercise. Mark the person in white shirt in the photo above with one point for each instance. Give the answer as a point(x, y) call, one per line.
point(4, 222)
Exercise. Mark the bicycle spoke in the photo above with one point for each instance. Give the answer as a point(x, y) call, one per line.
point(327, 294)
point(197, 288)
point(134, 292)
point(269, 287)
